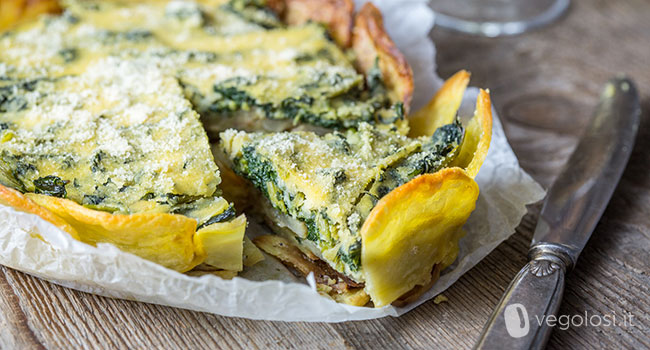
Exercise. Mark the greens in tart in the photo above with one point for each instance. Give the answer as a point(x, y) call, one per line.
point(238, 64)
point(106, 142)
point(323, 192)
point(324, 187)
point(106, 110)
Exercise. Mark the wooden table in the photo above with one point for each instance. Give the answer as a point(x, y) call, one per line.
point(545, 85)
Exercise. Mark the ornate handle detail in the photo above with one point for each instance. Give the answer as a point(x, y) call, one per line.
point(543, 268)
point(519, 321)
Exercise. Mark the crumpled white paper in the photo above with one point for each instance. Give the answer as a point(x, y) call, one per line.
point(270, 293)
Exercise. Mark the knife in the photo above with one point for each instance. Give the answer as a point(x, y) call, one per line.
point(572, 208)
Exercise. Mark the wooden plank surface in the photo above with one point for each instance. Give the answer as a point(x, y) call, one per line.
point(545, 85)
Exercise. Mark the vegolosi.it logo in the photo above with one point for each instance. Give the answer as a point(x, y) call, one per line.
point(517, 322)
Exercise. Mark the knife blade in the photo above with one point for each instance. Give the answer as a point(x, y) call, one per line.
point(571, 210)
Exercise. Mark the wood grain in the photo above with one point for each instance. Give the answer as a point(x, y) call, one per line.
point(545, 85)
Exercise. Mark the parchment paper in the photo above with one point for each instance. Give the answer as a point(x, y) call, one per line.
point(268, 291)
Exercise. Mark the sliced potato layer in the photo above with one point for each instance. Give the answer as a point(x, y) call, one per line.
point(166, 239)
point(15, 199)
point(442, 108)
point(163, 238)
point(413, 228)
point(252, 254)
point(222, 243)
point(477, 138)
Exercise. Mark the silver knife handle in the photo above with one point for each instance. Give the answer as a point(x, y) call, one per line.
point(520, 319)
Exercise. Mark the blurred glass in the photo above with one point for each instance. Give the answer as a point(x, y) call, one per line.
point(493, 18)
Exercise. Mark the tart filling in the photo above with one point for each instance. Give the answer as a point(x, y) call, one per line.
point(106, 142)
point(100, 135)
point(383, 210)
point(237, 63)
point(328, 185)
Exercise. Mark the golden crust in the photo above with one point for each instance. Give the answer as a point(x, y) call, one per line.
point(337, 15)
point(412, 228)
point(165, 239)
point(443, 107)
point(417, 291)
point(371, 44)
point(13, 12)
point(478, 136)
point(15, 199)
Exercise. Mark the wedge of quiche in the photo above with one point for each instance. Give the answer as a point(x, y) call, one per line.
point(383, 210)
point(106, 153)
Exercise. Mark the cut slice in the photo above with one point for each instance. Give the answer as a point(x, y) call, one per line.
point(373, 204)
point(321, 189)
point(109, 158)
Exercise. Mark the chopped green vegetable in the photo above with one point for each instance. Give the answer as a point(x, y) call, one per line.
point(68, 55)
point(227, 215)
point(91, 199)
point(352, 257)
point(50, 185)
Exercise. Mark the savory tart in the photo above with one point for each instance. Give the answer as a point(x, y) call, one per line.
point(347, 198)
point(107, 109)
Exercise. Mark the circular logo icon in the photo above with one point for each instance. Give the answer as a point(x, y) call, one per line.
point(517, 322)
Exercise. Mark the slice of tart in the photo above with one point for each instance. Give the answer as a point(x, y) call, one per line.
point(382, 210)
point(118, 155)
point(379, 208)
